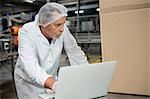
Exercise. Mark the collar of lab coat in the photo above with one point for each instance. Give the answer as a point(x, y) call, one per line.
point(41, 36)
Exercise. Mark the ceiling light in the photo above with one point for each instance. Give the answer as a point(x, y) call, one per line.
point(98, 9)
point(81, 11)
point(76, 12)
point(29, 1)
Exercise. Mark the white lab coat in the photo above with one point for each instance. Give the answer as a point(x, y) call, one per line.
point(38, 59)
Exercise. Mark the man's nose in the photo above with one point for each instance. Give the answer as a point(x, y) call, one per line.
point(62, 28)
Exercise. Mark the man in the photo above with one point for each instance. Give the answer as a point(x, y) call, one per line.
point(40, 46)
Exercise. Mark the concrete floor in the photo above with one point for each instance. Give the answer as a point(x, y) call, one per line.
point(7, 89)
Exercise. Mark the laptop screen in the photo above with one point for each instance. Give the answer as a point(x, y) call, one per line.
point(85, 81)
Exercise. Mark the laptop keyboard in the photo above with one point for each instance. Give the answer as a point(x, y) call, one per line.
point(48, 94)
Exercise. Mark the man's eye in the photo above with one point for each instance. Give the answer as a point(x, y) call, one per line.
point(58, 24)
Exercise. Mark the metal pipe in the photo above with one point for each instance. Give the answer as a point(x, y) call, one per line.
point(78, 21)
point(48, 1)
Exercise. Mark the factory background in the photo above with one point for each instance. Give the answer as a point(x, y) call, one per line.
point(104, 29)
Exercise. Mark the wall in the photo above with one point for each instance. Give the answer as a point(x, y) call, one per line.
point(125, 38)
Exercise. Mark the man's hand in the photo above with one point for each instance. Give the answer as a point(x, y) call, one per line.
point(54, 86)
point(50, 82)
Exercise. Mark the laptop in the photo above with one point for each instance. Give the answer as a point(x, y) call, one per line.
point(88, 81)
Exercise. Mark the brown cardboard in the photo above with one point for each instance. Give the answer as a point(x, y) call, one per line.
point(125, 37)
point(149, 51)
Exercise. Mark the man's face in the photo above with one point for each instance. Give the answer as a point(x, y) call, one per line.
point(55, 29)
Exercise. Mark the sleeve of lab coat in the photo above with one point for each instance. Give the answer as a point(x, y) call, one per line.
point(29, 60)
point(75, 54)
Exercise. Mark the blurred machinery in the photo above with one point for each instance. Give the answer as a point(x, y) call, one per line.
point(89, 28)
point(8, 40)
point(5, 41)
point(87, 34)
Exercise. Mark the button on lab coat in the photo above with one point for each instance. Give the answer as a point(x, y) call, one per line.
point(38, 59)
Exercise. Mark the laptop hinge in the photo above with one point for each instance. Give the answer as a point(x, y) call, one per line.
point(98, 97)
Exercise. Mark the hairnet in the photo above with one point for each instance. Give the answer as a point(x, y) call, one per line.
point(50, 13)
